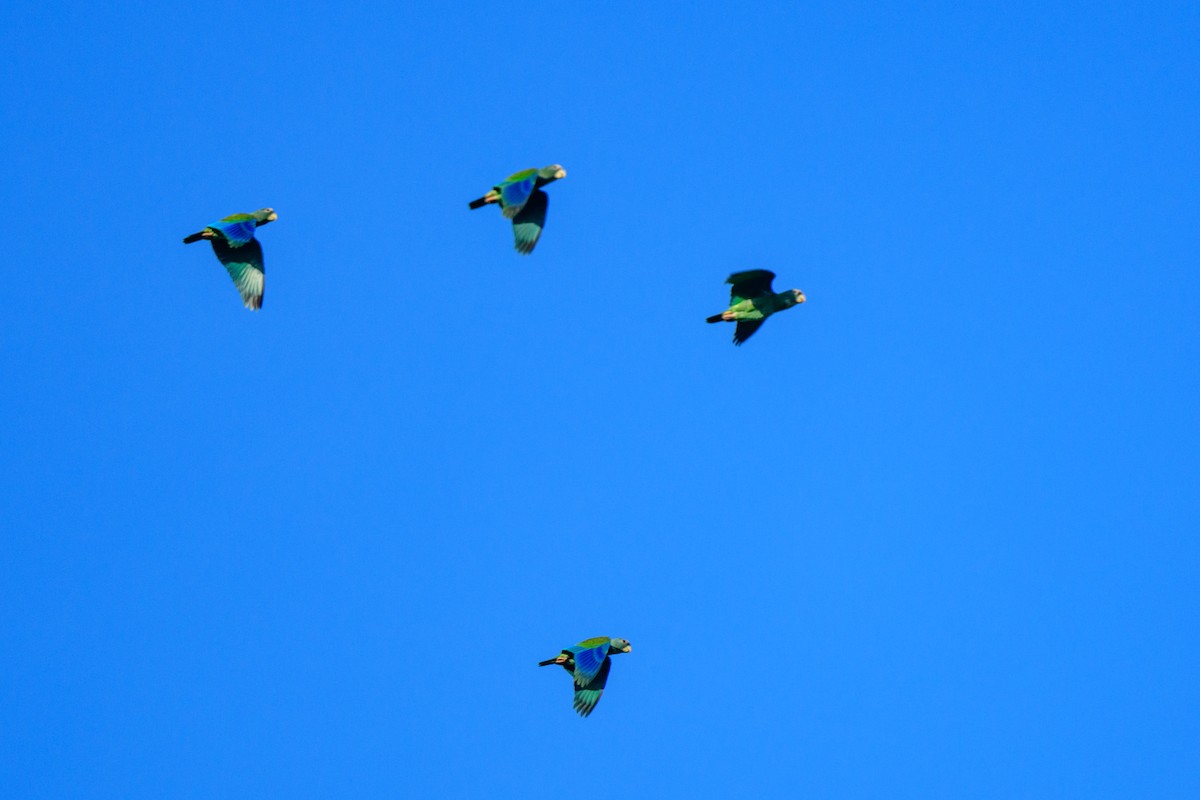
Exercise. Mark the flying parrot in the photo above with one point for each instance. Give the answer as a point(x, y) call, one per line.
point(234, 243)
point(752, 300)
point(522, 200)
point(588, 662)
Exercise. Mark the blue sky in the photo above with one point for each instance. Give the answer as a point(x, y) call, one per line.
point(932, 534)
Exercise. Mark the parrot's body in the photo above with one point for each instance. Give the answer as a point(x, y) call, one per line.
point(752, 300)
point(522, 200)
point(234, 243)
point(588, 662)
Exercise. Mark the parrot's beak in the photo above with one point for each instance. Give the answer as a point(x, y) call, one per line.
point(273, 217)
point(627, 649)
point(562, 173)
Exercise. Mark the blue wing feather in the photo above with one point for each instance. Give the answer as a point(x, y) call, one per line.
point(588, 661)
point(236, 232)
point(513, 197)
point(515, 191)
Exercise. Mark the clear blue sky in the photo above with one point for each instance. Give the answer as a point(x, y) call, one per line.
point(931, 535)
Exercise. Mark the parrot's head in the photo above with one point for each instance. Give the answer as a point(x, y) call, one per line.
point(265, 215)
point(552, 173)
point(620, 646)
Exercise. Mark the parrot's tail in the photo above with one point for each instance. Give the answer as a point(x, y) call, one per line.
point(195, 237)
point(490, 197)
point(715, 317)
point(547, 663)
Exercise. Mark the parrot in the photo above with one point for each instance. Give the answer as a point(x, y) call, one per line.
point(751, 301)
point(588, 662)
point(522, 200)
point(234, 243)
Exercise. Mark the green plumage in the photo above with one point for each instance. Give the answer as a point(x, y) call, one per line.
point(588, 663)
point(595, 641)
point(522, 200)
point(752, 300)
point(236, 248)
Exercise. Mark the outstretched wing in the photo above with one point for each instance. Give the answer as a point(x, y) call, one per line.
point(590, 655)
point(245, 266)
point(586, 698)
point(745, 329)
point(750, 284)
point(527, 226)
point(515, 191)
point(238, 229)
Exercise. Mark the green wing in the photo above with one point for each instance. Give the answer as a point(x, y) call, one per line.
point(750, 284)
point(528, 224)
point(745, 329)
point(245, 266)
point(586, 699)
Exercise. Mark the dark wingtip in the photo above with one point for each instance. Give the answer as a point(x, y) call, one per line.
point(195, 237)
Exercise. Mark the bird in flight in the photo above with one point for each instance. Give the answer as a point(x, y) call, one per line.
point(589, 662)
point(522, 200)
point(752, 300)
point(234, 243)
